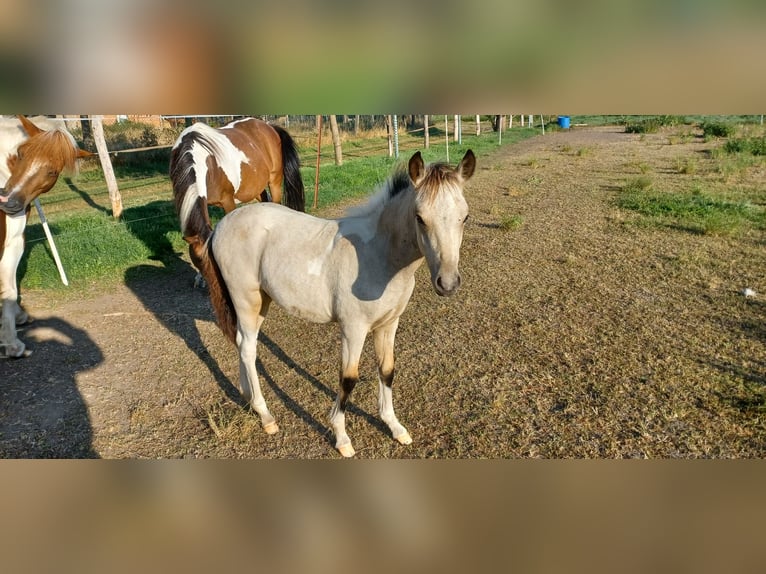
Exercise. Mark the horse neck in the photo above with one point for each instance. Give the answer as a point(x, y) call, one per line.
point(396, 225)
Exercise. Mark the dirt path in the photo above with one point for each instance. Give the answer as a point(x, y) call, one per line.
point(574, 335)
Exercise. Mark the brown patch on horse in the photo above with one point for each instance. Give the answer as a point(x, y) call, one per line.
point(55, 146)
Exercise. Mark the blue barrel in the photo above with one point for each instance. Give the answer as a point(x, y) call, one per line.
point(564, 122)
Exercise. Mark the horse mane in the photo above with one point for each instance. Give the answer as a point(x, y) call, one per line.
point(57, 146)
point(438, 175)
point(398, 182)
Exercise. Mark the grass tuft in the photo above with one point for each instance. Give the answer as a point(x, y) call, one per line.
point(694, 211)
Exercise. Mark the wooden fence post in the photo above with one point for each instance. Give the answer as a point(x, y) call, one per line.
point(97, 123)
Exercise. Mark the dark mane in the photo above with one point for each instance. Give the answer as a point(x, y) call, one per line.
point(399, 182)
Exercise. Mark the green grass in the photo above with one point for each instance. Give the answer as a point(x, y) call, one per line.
point(96, 248)
point(693, 211)
point(511, 222)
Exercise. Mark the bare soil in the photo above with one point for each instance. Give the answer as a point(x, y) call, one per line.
point(576, 334)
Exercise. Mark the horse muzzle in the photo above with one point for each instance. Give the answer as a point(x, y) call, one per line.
point(447, 285)
point(10, 205)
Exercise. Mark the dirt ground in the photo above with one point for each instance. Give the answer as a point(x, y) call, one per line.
point(575, 334)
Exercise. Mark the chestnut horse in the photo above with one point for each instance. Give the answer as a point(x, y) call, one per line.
point(34, 160)
point(232, 165)
point(358, 271)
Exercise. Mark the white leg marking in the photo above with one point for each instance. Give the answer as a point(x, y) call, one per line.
point(386, 408)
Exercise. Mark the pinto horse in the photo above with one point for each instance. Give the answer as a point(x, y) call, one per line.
point(358, 271)
point(232, 165)
point(33, 160)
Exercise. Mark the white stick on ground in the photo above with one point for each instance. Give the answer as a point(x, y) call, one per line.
point(48, 234)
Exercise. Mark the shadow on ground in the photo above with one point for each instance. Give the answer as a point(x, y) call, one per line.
point(43, 415)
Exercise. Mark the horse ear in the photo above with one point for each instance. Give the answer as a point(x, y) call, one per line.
point(467, 165)
point(29, 127)
point(417, 168)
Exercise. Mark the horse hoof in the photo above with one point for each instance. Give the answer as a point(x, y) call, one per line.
point(404, 438)
point(23, 319)
point(347, 450)
point(17, 351)
point(271, 428)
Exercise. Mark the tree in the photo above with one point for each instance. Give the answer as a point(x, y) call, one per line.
point(87, 133)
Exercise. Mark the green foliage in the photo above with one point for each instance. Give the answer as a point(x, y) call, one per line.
point(652, 124)
point(637, 184)
point(510, 222)
point(693, 211)
point(646, 126)
point(718, 129)
point(751, 145)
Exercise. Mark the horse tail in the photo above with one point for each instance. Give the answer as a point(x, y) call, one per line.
point(190, 195)
point(223, 307)
point(294, 194)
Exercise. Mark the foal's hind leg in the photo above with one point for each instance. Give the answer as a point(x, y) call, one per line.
point(352, 341)
point(383, 338)
point(248, 326)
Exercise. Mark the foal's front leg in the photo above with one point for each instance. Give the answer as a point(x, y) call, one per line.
point(352, 341)
point(383, 338)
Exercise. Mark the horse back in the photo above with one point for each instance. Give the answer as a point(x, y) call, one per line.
point(262, 146)
point(285, 253)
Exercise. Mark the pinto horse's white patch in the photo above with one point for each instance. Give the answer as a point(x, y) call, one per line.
point(227, 155)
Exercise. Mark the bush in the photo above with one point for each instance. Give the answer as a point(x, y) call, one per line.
point(717, 129)
point(753, 146)
point(646, 126)
point(652, 124)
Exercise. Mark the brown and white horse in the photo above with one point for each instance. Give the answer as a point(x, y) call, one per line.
point(232, 165)
point(358, 271)
point(30, 165)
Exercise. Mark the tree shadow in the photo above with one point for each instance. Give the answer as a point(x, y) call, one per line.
point(159, 290)
point(42, 413)
point(152, 224)
point(750, 396)
point(84, 195)
point(276, 350)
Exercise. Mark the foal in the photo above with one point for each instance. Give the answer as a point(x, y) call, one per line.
point(358, 271)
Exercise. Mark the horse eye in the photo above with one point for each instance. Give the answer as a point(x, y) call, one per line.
point(464, 220)
point(420, 220)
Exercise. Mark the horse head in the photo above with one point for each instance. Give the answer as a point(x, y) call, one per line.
point(440, 215)
point(36, 164)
